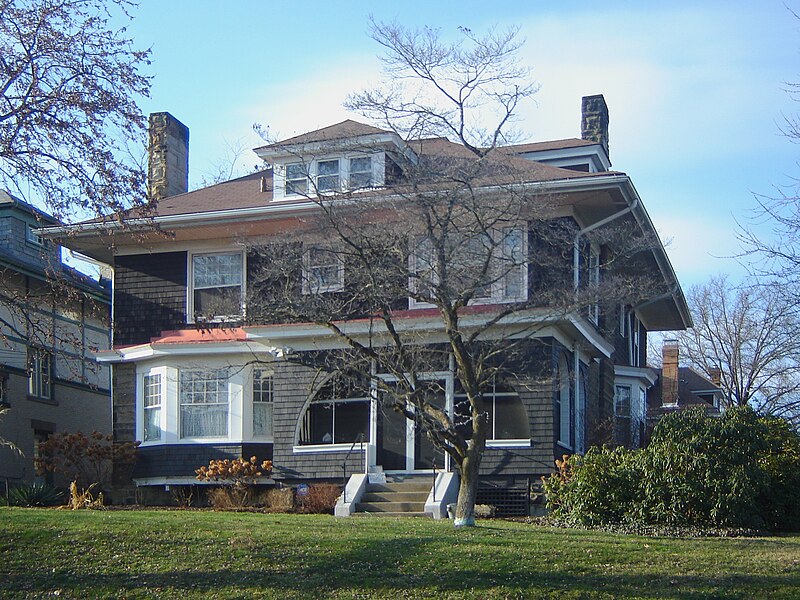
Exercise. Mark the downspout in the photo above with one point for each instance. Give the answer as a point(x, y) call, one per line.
point(576, 280)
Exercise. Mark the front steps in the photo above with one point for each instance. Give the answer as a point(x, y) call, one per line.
point(400, 496)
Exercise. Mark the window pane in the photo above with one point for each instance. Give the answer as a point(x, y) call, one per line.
point(262, 419)
point(514, 263)
point(351, 420)
point(296, 171)
point(212, 270)
point(204, 403)
point(622, 401)
point(152, 423)
point(218, 302)
point(511, 418)
point(361, 165)
point(328, 167)
point(360, 172)
point(318, 424)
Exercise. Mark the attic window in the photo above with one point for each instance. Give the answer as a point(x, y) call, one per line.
point(360, 172)
point(328, 175)
point(296, 179)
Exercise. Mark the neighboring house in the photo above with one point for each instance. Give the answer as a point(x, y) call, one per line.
point(677, 388)
point(53, 320)
point(193, 379)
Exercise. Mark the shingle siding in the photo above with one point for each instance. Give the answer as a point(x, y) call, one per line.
point(149, 295)
point(181, 460)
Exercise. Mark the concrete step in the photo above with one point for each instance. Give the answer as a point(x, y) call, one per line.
point(395, 496)
point(408, 486)
point(398, 507)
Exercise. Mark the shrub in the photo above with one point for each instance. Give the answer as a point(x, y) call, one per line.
point(320, 499)
point(35, 494)
point(737, 470)
point(593, 489)
point(238, 477)
point(278, 499)
point(86, 459)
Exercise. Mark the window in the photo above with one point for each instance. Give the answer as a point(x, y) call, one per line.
point(506, 279)
point(217, 286)
point(622, 401)
point(634, 341)
point(338, 414)
point(40, 373)
point(328, 175)
point(507, 418)
point(296, 179)
point(152, 407)
point(323, 271)
point(564, 403)
point(262, 403)
point(360, 172)
point(32, 236)
point(3, 389)
point(204, 403)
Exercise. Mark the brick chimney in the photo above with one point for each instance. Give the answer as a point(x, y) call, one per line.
point(669, 373)
point(168, 157)
point(594, 120)
point(715, 375)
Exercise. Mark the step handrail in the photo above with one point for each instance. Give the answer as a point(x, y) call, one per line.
point(359, 439)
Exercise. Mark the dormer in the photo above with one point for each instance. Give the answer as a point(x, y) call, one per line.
point(346, 157)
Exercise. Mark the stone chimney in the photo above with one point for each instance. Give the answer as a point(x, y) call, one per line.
point(594, 120)
point(168, 157)
point(669, 373)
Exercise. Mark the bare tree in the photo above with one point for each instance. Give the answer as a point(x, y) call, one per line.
point(71, 133)
point(748, 334)
point(434, 237)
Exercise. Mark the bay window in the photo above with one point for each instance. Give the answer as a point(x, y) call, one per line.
point(217, 286)
point(203, 397)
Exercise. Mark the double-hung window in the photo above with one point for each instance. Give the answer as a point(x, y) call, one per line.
point(262, 403)
point(360, 172)
point(323, 271)
point(328, 175)
point(622, 401)
point(296, 179)
point(40, 373)
point(152, 403)
point(204, 401)
point(217, 286)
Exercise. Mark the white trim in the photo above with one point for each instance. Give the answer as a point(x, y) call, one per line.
point(510, 443)
point(328, 448)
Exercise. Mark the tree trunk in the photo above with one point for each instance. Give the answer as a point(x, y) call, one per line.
point(468, 490)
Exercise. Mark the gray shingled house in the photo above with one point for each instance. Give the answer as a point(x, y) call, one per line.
point(185, 382)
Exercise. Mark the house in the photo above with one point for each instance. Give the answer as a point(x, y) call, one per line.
point(677, 388)
point(52, 321)
point(196, 376)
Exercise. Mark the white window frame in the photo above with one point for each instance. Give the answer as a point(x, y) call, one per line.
point(266, 375)
point(327, 188)
point(40, 373)
point(32, 237)
point(289, 183)
point(309, 285)
point(227, 403)
point(490, 398)
point(161, 373)
point(190, 288)
point(350, 173)
point(498, 287)
point(634, 340)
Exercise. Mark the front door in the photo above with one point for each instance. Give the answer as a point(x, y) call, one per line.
point(403, 444)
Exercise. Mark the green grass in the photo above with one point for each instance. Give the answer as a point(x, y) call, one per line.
point(178, 554)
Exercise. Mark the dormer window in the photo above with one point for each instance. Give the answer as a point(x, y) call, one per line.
point(328, 175)
point(360, 172)
point(32, 236)
point(296, 179)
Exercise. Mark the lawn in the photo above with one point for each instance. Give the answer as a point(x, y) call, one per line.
point(177, 554)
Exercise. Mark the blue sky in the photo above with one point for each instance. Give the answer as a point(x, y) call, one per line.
point(696, 90)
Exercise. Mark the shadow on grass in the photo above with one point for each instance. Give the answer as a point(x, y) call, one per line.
point(392, 568)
